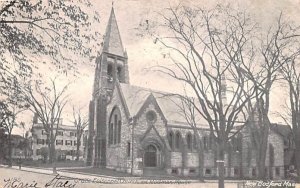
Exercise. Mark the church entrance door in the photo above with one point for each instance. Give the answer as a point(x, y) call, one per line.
point(150, 156)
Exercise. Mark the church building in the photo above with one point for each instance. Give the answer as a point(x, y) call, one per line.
point(140, 131)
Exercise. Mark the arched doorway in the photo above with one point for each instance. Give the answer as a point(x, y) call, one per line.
point(150, 156)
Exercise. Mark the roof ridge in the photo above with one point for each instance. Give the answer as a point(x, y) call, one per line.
point(149, 89)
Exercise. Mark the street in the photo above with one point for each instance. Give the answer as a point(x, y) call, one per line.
point(21, 179)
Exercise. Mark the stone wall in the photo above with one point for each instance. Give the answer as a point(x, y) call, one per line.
point(249, 156)
point(180, 161)
point(117, 157)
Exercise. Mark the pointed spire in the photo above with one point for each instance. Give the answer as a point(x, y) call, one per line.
point(112, 39)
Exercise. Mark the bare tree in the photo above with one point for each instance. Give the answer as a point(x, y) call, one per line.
point(211, 51)
point(291, 74)
point(277, 48)
point(80, 122)
point(47, 104)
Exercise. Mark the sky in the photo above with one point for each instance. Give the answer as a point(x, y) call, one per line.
point(143, 53)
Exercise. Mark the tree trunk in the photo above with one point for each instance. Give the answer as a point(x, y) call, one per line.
point(25, 151)
point(49, 150)
point(261, 167)
point(9, 150)
point(199, 146)
point(262, 138)
point(201, 164)
point(220, 163)
point(77, 151)
point(53, 156)
point(241, 171)
point(262, 156)
point(297, 151)
point(230, 152)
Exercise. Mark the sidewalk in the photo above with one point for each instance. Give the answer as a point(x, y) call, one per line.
point(100, 178)
point(65, 173)
point(105, 179)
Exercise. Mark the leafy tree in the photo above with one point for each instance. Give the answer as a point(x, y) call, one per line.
point(4, 113)
point(35, 30)
point(12, 105)
point(3, 139)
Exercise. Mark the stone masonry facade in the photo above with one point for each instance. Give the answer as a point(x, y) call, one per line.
point(137, 131)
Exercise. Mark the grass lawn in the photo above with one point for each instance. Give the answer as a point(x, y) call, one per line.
point(101, 171)
point(59, 164)
point(110, 172)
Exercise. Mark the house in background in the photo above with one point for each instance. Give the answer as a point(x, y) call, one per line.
point(65, 143)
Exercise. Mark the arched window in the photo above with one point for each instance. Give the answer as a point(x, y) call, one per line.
point(110, 73)
point(110, 133)
point(115, 123)
point(195, 142)
point(119, 73)
point(177, 140)
point(189, 141)
point(119, 131)
point(205, 142)
point(211, 141)
point(115, 128)
point(171, 140)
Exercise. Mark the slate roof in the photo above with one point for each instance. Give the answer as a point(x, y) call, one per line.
point(112, 39)
point(170, 104)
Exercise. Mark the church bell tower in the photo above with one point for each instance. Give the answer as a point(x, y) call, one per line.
point(111, 66)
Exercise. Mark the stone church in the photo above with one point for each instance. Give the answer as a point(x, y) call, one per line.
point(138, 131)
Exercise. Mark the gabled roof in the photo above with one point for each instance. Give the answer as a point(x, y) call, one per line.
point(151, 100)
point(169, 104)
point(283, 130)
point(112, 39)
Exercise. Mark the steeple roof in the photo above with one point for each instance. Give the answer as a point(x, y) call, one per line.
point(112, 39)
